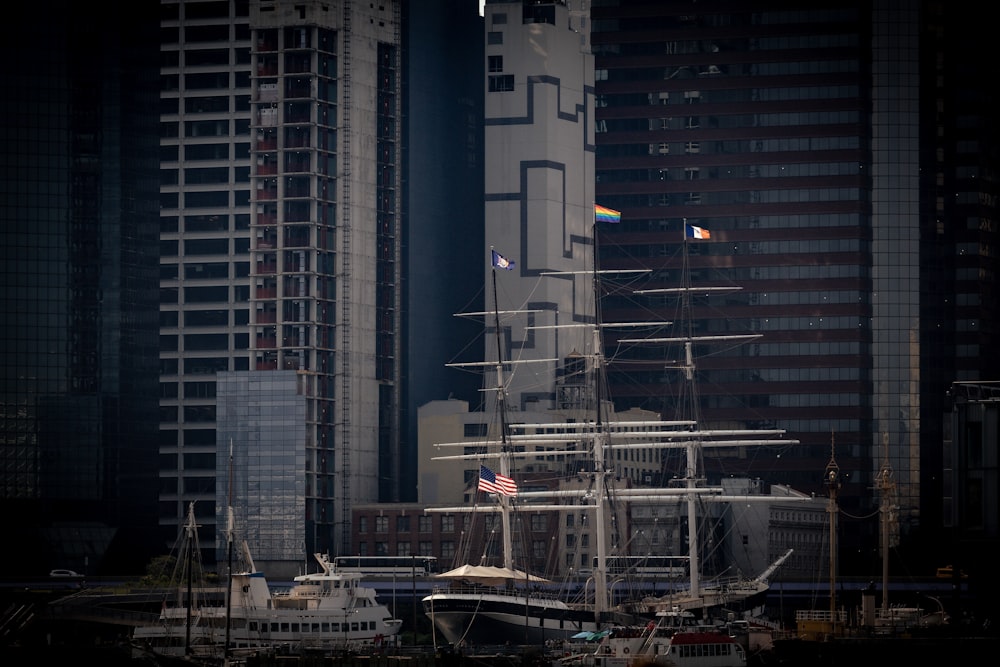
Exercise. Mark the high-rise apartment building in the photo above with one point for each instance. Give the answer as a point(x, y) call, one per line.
point(205, 220)
point(286, 254)
point(78, 235)
point(286, 203)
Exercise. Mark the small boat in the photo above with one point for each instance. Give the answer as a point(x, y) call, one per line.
point(324, 611)
point(675, 639)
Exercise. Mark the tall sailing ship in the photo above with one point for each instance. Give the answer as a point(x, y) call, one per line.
point(505, 604)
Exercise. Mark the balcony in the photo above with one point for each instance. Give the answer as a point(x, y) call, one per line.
point(267, 168)
point(267, 142)
point(267, 117)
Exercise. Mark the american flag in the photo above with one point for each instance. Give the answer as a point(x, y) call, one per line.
point(490, 482)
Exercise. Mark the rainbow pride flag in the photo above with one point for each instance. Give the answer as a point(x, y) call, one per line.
point(605, 214)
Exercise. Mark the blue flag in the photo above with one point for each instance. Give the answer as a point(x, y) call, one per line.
point(501, 262)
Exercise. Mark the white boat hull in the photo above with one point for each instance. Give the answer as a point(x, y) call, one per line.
point(278, 631)
point(490, 619)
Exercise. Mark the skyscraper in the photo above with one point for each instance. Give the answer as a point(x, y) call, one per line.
point(289, 140)
point(79, 241)
point(804, 137)
point(205, 212)
point(539, 185)
point(285, 161)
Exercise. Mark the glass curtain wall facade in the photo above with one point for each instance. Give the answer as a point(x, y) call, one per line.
point(262, 427)
point(959, 261)
point(755, 122)
point(443, 208)
point(78, 237)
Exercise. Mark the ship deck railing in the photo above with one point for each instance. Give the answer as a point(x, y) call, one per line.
point(479, 589)
point(821, 615)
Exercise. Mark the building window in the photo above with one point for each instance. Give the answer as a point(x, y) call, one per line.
point(425, 524)
point(447, 550)
point(381, 524)
point(539, 522)
point(381, 548)
point(403, 549)
point(502, 83)
point(494, 37)
point(403, 526)
point(475, 430)
point(426, 548)
point(448, 523)
point(495, 63)
point(363, 524)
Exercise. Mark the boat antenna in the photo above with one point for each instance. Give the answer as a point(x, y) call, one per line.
point(230, 527)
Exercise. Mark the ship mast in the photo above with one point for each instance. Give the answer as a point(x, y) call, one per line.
point(601, 597)
point(692, 450)
point(505, 468)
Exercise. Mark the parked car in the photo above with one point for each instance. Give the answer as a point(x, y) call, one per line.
point(947, 572)
point(63, 573)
